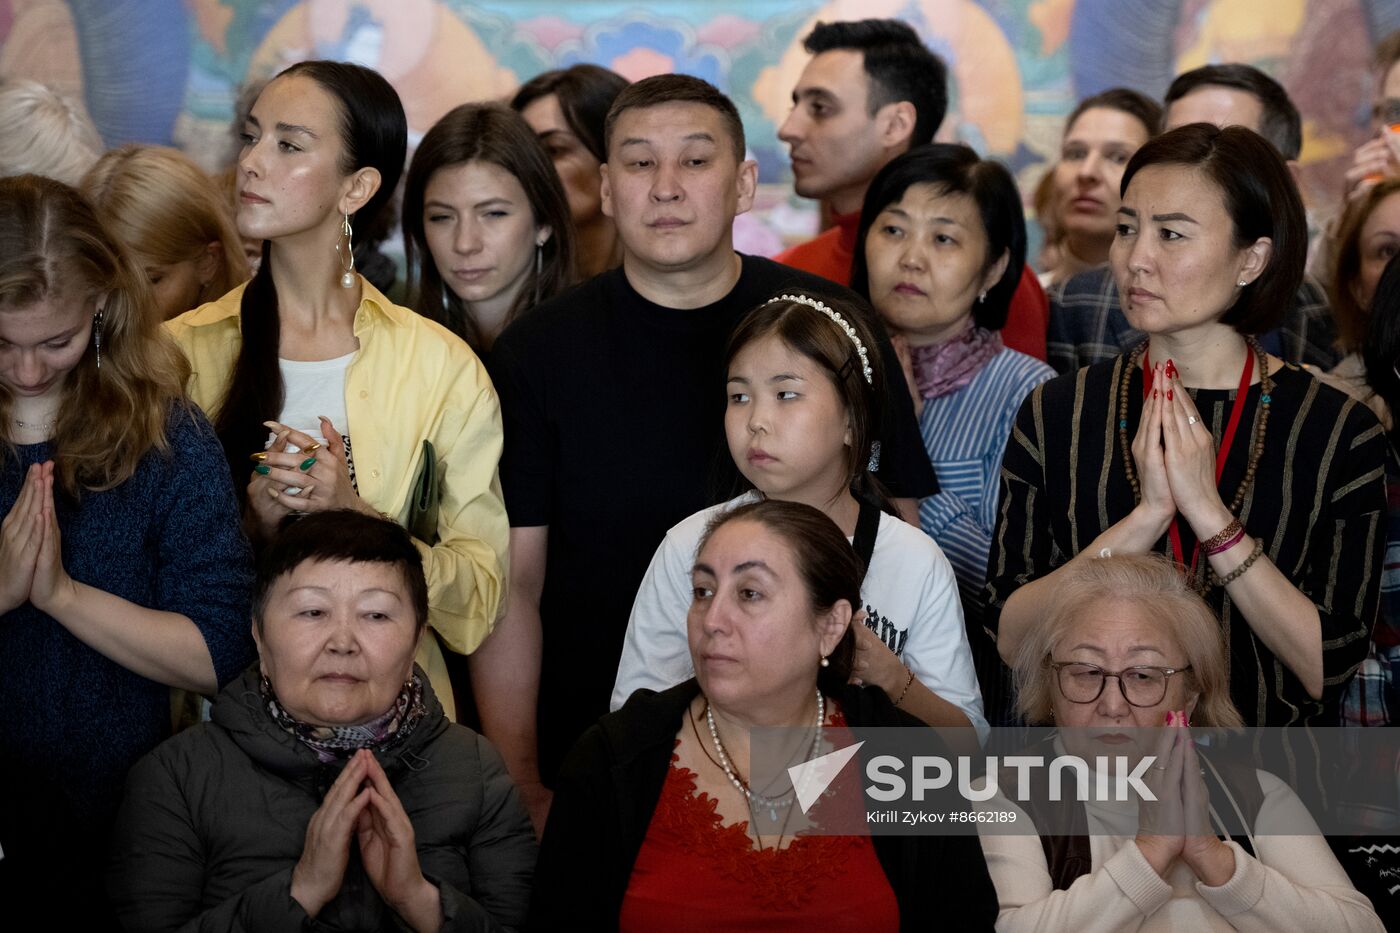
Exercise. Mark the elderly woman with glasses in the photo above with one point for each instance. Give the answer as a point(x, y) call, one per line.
point(1134, 621)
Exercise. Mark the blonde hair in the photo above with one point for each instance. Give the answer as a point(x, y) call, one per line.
point(166, 210)
point(44, 132)
point(53, 247)
point(1156, 587)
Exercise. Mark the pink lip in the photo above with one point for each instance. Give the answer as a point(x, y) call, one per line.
point(251, 198)
point(30, 391)
point(470, 275)
point(1139, 295)
point(667, 223)
point(1084, 203)
point(759, 456)
point(909, 288)
point(719, 658)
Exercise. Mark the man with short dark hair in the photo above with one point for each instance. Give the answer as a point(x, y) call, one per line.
point(1087, 325)
point(1236, 95)
point(613, 401)
point(872, 91)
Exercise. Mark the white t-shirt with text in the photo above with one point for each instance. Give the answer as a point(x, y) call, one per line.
point(910, 596)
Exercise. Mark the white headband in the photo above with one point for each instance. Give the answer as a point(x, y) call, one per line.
point(840, 322)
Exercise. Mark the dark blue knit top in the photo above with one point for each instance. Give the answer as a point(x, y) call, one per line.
point(73, 722)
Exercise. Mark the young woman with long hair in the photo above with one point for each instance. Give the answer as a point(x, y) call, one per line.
point(329, 387)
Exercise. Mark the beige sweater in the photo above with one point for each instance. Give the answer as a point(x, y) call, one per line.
point(1294, 884)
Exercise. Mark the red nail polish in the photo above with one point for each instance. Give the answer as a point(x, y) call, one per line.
point(1171, 369)
point(1169, 395)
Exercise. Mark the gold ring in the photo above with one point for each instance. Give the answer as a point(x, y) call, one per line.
point(258, 457)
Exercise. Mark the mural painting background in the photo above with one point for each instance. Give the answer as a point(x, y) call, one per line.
point(170, 71)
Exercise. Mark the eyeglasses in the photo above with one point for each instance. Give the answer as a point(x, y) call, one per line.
point(1141, 686)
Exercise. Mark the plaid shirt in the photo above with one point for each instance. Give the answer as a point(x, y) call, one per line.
point(1373, 698)
point(1087, 326)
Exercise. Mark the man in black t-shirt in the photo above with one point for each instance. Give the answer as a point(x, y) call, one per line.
point(613, 401)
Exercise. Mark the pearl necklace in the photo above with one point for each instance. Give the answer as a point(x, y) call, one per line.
point(774, 804)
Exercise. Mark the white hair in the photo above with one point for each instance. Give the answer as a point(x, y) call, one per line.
point(43, 132)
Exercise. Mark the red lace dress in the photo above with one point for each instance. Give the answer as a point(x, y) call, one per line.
point(695, 874)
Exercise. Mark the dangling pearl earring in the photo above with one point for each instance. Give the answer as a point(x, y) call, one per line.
point(347, 254)
point(826, 662)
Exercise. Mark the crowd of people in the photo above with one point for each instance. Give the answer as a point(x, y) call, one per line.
point(338, 598)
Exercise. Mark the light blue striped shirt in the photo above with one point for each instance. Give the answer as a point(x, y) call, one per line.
point(965, 434)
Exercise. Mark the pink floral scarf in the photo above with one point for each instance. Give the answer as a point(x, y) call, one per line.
point(944, 368)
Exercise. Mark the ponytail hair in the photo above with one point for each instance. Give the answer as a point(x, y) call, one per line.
point(809, 331)
point(374, 134)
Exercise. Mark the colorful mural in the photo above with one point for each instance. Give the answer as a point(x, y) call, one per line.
point(170, 71)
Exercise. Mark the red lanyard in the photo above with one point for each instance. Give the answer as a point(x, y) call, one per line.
point(1226, 442)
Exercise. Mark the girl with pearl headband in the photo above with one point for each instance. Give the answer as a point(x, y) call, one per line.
point(801, 422)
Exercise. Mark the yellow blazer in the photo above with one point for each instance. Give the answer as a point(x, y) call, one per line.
point(411, 380)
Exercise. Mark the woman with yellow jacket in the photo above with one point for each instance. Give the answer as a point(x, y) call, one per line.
point(330, 388)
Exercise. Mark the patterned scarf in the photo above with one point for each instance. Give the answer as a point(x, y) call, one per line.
point(332, 742)
point(944, 368)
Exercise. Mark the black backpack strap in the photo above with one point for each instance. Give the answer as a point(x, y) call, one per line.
point(1062, 824)
point(867, 528)
point(1235, 797)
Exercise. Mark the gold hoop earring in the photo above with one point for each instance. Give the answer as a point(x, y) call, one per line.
point(347, 255)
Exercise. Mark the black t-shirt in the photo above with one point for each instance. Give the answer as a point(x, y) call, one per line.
point(614, 432)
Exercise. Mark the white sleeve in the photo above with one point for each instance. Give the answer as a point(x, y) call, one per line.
point(1295, 882)
point(1117, 895)
point(655, 652)
point(937, 651)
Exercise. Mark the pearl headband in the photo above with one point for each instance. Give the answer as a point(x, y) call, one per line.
point(840, 322)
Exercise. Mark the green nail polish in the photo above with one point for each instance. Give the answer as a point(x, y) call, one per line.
point(307, 464)
point(262, 469)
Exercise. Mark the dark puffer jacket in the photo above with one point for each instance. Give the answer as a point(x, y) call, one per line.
point(214, 820)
